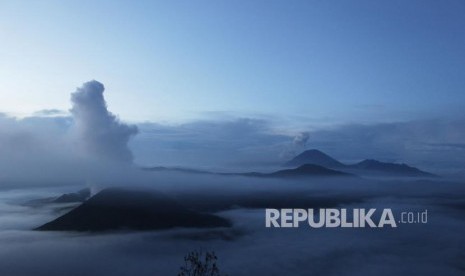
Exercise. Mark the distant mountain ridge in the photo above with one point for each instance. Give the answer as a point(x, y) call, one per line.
point(404, 169)
point(317, 163)
point(306, 170)
point(317, 157)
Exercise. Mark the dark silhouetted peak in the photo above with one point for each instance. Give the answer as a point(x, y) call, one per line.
point(308, 170)
point(119, 209)
point(315, 157)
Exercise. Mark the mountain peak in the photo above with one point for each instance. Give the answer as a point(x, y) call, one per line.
point(133, 209)
point(309, 170)
point(315, 157)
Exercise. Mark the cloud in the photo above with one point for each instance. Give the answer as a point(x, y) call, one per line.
point(240, 142)
point(34, 149)
point(434, 144)
point(249, 248)
point(99, 132)
point(301, 139)
point(91, 137)
point(296, 146)
point(49, 112)
point(430, 144)
point(48, 150)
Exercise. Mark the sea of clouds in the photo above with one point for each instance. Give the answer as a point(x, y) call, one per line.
point(56, 152)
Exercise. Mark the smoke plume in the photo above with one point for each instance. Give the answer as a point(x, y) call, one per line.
point(100, 133)
point(301, 139)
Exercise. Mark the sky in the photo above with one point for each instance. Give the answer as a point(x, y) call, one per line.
point(327, 62)
point(93, 90)
point(231, 84)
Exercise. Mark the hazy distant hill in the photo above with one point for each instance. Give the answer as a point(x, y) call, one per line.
point(306, 170)
point(389, 168)
point(371, 166)
point(317, 163)
point(119, 209)
point(79, 196)
point(177, 169)
point(76, 197)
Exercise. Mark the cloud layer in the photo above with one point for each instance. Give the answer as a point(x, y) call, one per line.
point(248, 248)
point(53, 148)
point(430, 144)
point(54, 145)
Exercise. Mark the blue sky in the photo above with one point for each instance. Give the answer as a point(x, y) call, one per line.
point(173, 61)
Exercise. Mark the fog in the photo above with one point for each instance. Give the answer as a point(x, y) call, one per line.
point(248, 248)
point(55, 152)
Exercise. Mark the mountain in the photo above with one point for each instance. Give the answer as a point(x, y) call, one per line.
point(175, 169)
point(314, 157)
point(317, 163)
point(307, 170)
point(368, 166)
point(389, 168)
point(123, 209)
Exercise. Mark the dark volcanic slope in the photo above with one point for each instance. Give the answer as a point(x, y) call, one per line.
point(119, 209)
point(314, 157)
